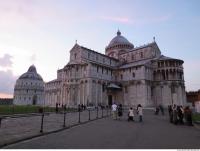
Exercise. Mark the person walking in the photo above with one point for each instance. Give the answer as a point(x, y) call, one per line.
point(161, 109)
point(120, 111)
point(140, 112)
point(114, 111)
point(156, 110)
point(180, 115)
point(130, 114)
point(188, 116)
point(56, 107)
point(170, 113)
point(175, 114)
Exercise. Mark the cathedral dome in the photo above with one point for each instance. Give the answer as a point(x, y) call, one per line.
point(31, 74)
point(119, 40)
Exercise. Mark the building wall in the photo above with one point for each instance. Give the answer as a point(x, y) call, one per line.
point(26, 90)
point(148, 83)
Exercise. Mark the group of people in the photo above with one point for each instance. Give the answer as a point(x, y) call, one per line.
point(117, 112)
point(159, 109)
point(64, 107)
point(81, 107)
point(180, 115)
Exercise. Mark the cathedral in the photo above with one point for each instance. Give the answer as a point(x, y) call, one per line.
point(125, 74)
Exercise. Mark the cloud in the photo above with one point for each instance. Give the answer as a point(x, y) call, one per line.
point(7, 80)
point(5, 95)
point(117, 19)
point(138, 20)
point(6, 61)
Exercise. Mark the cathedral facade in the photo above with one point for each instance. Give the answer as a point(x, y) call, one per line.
point(124, 74)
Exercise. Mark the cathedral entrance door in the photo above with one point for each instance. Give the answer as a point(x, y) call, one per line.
point(110, 100)
point(34, 99)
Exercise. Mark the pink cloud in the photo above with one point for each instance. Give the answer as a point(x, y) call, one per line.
point(6, 95)
point(6, 61)
point(116, 19)
point(137, 21)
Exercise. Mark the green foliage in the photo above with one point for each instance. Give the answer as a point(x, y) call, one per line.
point(196, 117)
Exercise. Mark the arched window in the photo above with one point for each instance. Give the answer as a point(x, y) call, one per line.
point(121, 76)
point(97, 69)
point(133, 74)
point(141, 55)
point(126, 89)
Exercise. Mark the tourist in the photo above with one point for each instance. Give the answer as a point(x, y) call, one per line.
point(65, 107)
point(130, 114)
point(140, 112)
point(188, 116)
point(82, 107)
point(156, 110)
point(79, 108)
point(174, 109)
point(120, 111)
point(114, 111)
point(161, 109)
point(180, 115)
point(170, 113)
point(56, 107)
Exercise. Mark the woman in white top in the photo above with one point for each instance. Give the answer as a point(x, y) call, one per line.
point(130, 114)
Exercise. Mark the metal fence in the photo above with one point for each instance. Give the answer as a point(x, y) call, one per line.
point(17, 127)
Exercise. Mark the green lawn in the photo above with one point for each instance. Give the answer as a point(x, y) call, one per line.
point(21, 109)
point(196, 117)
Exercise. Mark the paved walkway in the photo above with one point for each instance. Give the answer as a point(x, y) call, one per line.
point(155, 132)
point(15, 129)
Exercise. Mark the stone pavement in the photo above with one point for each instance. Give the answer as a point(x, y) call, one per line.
point(15, 129)
point(154, 133)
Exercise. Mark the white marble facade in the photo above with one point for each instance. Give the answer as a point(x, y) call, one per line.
point(29, 88)
point(125, 74)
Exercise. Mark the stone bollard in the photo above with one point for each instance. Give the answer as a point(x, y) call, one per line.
point(42, 123)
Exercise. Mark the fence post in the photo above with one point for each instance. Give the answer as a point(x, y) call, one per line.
point(79, 118)
point(42, 122)
point(89, 114)
point(64, 118)
point(97, 112)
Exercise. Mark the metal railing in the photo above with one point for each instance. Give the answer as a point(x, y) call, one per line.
point(83, 116)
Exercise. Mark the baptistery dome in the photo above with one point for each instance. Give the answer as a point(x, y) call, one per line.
point(31, 74)
point(29, 88)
